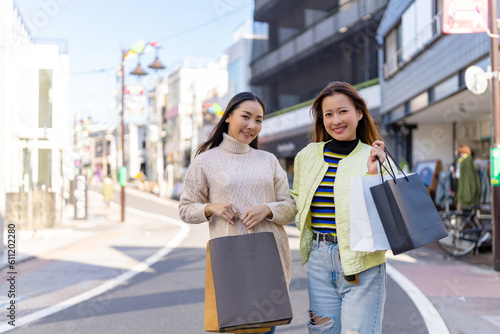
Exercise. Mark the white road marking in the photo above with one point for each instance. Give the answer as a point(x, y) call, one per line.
point(494, 319)
point(110, 284)
point(434, 322)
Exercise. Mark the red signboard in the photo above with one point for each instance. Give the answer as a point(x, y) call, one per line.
point(465, 16)
point(172, 112)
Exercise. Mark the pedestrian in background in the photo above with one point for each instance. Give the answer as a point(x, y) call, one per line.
point(347, 289)
point(235, 186)
point(107, 190)
point(468, 193)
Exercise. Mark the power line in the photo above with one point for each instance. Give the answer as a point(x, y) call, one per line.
point(101, 70)
point(200, 25)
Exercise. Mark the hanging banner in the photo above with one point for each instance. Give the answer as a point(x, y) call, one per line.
point(465, 16)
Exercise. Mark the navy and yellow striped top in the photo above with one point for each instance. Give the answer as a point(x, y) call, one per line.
point(323, 203)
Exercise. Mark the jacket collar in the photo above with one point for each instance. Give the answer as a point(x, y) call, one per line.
point(321, 148)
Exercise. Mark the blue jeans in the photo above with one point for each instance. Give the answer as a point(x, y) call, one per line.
point(338, 306)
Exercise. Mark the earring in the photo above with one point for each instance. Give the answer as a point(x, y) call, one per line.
point(227, 121)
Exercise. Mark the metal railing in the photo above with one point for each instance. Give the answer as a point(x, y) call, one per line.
point(315, 34)
point(421, 40)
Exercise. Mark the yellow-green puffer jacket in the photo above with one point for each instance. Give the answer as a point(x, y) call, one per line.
point(309, 169)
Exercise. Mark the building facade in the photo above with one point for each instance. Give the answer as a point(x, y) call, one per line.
point(189, 84)
point(426, 107)
point(155, 160)
point(311, 43)
point(33, 110)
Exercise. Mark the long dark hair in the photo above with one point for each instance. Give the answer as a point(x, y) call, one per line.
point(366, 131)
point(216, 136)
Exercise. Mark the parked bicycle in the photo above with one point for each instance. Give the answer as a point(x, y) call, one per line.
point(467, 231)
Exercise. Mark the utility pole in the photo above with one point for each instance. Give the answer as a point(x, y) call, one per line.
point(122, 126)
point(495, 85)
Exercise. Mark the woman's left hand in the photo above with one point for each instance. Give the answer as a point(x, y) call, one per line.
point(376, 151)
point(252, 217)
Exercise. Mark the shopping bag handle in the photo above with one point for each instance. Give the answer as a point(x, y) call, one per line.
point(227, 230)
point(391, 173)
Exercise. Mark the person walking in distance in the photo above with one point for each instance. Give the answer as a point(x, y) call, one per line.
point(235, 186)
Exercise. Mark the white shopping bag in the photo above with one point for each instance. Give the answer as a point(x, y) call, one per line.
point(367, 232)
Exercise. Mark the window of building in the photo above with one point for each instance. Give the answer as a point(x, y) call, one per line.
point(288, 100)
point(45, 99)
point(417, 28)
point(45, 167)
point(99, 149)
point(419, 102)
point(446, 88)
point(235, 72)
point(27, 164)
point(438, 6)
point(393, 50)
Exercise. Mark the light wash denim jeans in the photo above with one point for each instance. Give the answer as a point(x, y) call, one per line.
point(337, 305)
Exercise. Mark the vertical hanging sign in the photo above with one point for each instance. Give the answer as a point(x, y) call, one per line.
point(465, 16)
point(495, 166)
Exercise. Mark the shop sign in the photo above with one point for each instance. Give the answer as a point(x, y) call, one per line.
point(495, 166)
point(80, 196)
point(285, 149)
point(465, 16)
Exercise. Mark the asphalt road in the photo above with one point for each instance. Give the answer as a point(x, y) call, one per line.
point(169, 296)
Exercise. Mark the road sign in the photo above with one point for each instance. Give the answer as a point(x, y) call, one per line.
point(122, 176)
point(476, 80)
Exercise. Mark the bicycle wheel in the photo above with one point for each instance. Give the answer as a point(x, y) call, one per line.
point(463, 234)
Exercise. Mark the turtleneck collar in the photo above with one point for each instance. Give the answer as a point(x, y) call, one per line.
point(232, 145)
point(341, 147)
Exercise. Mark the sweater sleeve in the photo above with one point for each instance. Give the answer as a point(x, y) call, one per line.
point(294, 192)
point(284, 208)
point(194, 199)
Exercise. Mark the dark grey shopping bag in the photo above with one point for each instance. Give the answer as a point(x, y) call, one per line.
point(249, 283)
point(408, 214)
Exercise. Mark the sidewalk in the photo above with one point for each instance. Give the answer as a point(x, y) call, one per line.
point(82, 259)
point(31, 243)
point(464, 291)
point(100, 220)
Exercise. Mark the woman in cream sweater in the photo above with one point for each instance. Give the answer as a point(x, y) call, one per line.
point(235, 186)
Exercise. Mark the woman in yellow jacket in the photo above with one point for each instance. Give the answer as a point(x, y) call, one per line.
point(346, 288)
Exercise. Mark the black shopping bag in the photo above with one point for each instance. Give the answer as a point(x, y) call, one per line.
point(211, 319)
point(249, 283)
point(408, 214)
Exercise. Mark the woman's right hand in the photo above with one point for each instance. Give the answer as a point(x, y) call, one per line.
point(226, 211)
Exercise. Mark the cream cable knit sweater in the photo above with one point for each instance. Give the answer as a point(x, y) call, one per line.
point(236, 173)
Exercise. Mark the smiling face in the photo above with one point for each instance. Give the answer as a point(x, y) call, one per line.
point(245, 121)
point(340, 117)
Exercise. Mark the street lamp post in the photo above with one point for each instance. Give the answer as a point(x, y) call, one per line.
point(495, 88)
point(156, 65)
point(122, 140)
